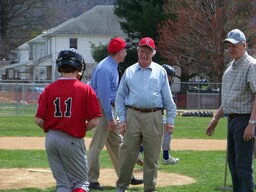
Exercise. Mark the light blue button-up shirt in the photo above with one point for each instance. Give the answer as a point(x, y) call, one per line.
point(145, 88)
point(105, 83)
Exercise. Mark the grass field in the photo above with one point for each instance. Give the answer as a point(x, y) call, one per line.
point(206, 167)
point(21, 109)
point(185, 127)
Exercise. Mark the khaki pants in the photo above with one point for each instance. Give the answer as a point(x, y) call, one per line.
point(145, 129)
point(101, 137)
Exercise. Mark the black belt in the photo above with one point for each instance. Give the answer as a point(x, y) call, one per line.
point(234, 115)
point(145, 110)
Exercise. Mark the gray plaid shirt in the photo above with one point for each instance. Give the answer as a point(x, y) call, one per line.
point(239, 85)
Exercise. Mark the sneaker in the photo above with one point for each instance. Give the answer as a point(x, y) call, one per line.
point(95, 185)
point(135, 181)
point(171, 160)
point(140, 160)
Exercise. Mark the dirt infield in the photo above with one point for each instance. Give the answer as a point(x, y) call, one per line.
point(22, 178)
point(37, 143)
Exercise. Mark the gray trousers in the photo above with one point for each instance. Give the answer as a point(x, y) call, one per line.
point(68, 161)
point(240, 155)
point(166, 141)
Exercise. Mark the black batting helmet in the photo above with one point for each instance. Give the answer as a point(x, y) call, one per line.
point(72, 58)
point(170, 72)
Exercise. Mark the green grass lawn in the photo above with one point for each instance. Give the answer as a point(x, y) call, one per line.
point(185, 127)
point(206, 167)
point(19, 109)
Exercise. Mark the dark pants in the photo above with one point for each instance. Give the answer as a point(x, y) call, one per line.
point(240, 155)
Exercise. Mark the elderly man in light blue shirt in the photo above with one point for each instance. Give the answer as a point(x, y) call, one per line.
point(143, 94)
point(105, 82)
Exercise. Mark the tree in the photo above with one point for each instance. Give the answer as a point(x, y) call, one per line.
point(140, 19)
point(21, 20)
point(99, 52)
point(195, 40)
point(18, 18)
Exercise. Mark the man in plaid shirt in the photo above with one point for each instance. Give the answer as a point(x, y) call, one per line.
point(238, 102)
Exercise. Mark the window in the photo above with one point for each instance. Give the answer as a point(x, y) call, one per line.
point(73, 43)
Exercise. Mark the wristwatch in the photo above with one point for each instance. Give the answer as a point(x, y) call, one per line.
point(253, 122)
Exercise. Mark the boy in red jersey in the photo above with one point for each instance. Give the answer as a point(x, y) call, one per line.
point(67, 108)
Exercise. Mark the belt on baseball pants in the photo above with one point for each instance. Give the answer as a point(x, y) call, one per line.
point(145, 110)
point(234, 115)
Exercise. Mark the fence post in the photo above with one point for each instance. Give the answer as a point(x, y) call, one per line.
point(17, 97)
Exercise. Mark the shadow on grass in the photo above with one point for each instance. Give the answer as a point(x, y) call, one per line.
point(224, 188)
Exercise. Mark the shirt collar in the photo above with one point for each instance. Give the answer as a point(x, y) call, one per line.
point(240, 60)
point(112, 62)
point(65, 78)
point(138, 67)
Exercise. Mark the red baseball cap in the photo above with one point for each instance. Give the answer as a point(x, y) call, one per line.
point(117, 44)
point(147, 41)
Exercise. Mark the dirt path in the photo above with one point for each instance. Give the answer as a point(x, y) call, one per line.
point(22, 178)
point(37, 143)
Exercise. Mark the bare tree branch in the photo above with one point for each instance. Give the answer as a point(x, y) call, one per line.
point(195, 40)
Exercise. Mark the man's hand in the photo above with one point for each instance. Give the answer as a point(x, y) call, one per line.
point(169, 128)
point(122, 127)
point(112, 125)
point(211, 127)
point(249, 132)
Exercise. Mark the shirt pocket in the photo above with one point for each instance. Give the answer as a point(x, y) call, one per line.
point(154, 84)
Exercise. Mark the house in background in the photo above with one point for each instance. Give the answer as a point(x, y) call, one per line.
point(36, 58)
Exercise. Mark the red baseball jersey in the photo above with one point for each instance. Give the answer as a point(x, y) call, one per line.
point(66, 104)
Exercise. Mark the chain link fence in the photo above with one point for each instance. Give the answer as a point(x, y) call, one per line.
point(17, 98)
point(20, 98)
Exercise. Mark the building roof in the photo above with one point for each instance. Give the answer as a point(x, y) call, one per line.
point(15, 65)
point(99, 20)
